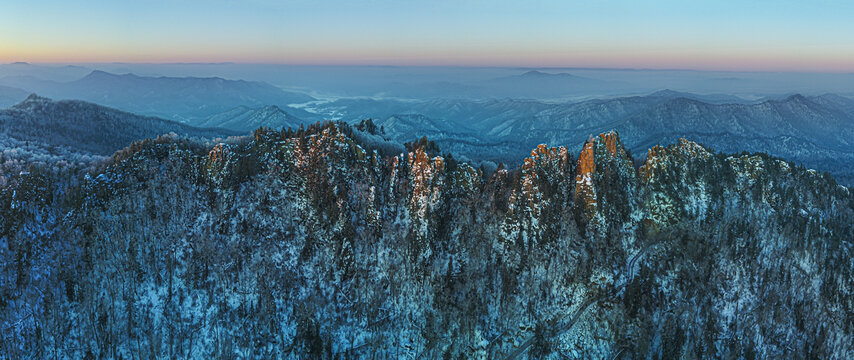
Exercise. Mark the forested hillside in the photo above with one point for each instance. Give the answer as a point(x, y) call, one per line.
point(328, 243)
point(65, 135)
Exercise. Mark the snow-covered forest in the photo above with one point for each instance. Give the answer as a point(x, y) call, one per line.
point(330, 242)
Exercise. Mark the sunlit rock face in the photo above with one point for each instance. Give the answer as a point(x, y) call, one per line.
point(313, 244)
point(604, 181)
point(671, 187)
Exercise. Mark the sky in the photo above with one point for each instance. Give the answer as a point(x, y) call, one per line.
point(758, 35)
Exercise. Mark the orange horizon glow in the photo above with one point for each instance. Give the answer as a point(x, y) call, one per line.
point(724, 35)
point(702, 62)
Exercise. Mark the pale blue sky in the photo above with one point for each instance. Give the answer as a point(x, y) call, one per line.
point(813, 35)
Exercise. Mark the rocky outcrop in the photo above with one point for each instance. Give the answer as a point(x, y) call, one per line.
point(604, 179)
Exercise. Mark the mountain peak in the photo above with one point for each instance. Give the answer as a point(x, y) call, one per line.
point(271, 108)
point(668, 93)
point(99, 73)
point(612, 142)
point(103, 75)
point(540, 74)
point(36, 97)
point(796, 98)
point(659, 157)
point(31, 100)
point(535, 73)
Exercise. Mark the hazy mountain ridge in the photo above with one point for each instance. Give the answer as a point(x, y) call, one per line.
point(823, 124)
point(247, 119)
point(39, 129)
point(176, 98)
point(10, 96)
point(323, 246)
point(466, 82)
point(61, 73)
point(541, 85)
point(708, 98)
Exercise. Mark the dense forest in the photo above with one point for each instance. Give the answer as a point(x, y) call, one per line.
point(330, 242)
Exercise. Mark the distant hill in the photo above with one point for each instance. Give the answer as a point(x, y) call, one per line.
point(86, 128)
point(61, 73)
point(246, 119)
point(175, 98)
point(538, 84)
point(411, 124)
point(10, 96)
point(836, 102)
point(709, 98)
point(524, 85)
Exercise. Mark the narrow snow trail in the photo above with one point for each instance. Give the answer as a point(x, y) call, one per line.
point(585, 305)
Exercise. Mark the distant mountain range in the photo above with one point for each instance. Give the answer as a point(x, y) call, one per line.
point(246, 119)
point(709, 98)
point(85, 128)
point(540, 85)
point(175, 98)
point(62, 73)
point(816, 131)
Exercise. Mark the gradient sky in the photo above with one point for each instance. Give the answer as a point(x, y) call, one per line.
point(781, 35)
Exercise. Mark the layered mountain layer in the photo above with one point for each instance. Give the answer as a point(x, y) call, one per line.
point(185, 99)
point(246, 119)
point(815, 131)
